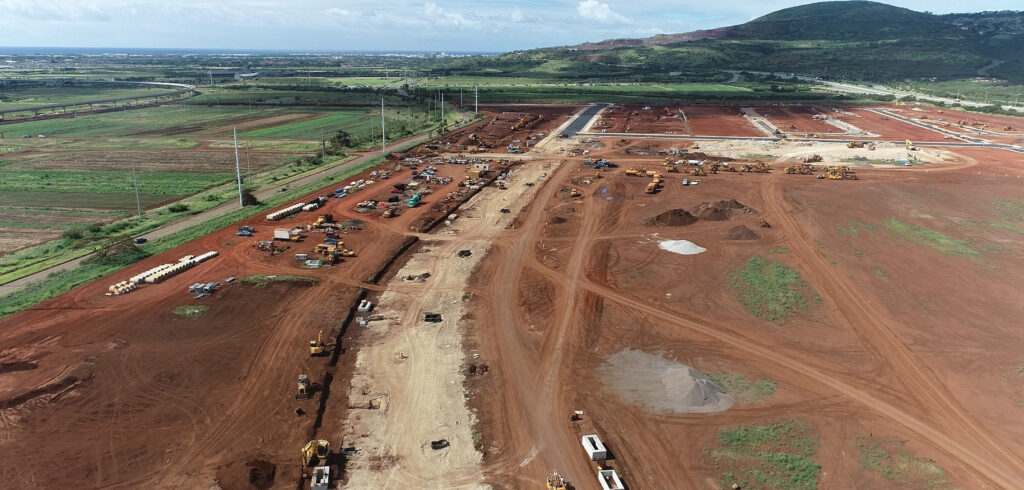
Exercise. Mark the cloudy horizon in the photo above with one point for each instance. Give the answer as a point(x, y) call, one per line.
point(362, 25)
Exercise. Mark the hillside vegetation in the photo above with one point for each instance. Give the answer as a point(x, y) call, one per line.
point(852, 40)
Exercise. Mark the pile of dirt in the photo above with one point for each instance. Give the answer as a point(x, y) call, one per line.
point(660, 384)
point(741, 233)
point(721, 210)
point(557, 220)
point(672, 217)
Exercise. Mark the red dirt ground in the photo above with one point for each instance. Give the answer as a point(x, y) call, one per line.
point(797, 119)
point(907, 341)
point(139, 396)
point(885, 354)
point(889, 128)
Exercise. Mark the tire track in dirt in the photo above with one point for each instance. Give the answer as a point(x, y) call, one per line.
point(873, 328)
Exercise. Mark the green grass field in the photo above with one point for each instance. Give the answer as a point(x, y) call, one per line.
point(13, 98)
point(155, 183)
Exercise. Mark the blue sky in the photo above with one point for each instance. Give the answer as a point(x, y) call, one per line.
point(338, 25)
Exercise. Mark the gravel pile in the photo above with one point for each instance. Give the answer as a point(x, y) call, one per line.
point(660, 384)
point(682, 247)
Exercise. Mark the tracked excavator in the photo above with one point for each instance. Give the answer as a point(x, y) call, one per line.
point(315, 452)
point(316, 346)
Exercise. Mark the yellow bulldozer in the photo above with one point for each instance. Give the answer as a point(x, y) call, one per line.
point(575, 192)
point(316, 346)
point(315, 453)
point(698, 171)
point(634, 172)
point(910, 146)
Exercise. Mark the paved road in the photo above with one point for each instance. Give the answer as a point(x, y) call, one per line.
point(582, 119)
point(262, 194)
point(874, 90)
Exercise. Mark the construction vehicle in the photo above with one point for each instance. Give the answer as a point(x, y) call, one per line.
point(389, 213)
point(812, 158)
point(265, 246)
point(315, 452)
point(838, 172)
point(698, 171)
point(303, 393)
point(855, 144)
point(756, 167)
point(802, 169)
point(501, 185)
point(316, 346)
point(910, 146)
point(556, 481)
point(634, 172)
point(286, 235)
point(651, 188)
point(575, 192)
point(650, 173)
point(323, 219)
point(347, 253)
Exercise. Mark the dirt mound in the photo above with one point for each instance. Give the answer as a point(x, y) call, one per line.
point(557, 220)
point(672, 217)
point(661, 385)
point(720, 210)
point(741, 233)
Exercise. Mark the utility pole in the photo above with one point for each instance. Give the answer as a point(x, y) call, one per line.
point(476, 100)
point(442, 112)
point(138, 202)
point(323, 146)
point(383, 134)
point(460, 97)
point(238, 170)
point(248, 164)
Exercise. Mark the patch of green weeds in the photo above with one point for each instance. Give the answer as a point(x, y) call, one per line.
point(741, 389)
point(191, 311)
point(776, 455)
point(770, 290)
point(930, 238)
point(887, 458)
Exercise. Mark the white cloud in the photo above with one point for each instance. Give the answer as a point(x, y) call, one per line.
point(442, 16)
point(516, 15)
point(600, 12)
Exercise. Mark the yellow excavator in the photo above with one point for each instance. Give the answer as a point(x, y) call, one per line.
point(316, 347)
point(575, 192)
point(316, 452)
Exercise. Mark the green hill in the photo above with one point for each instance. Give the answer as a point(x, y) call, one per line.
point(852, 40)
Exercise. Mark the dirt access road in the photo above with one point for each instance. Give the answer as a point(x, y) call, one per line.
point(561, 299)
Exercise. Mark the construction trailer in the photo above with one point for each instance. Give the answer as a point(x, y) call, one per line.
point(609, 480)
point(594, 447)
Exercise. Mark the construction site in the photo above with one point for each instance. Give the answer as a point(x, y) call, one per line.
point(673, 296)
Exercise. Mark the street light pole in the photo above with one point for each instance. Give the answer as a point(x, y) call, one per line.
point(138, 201)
